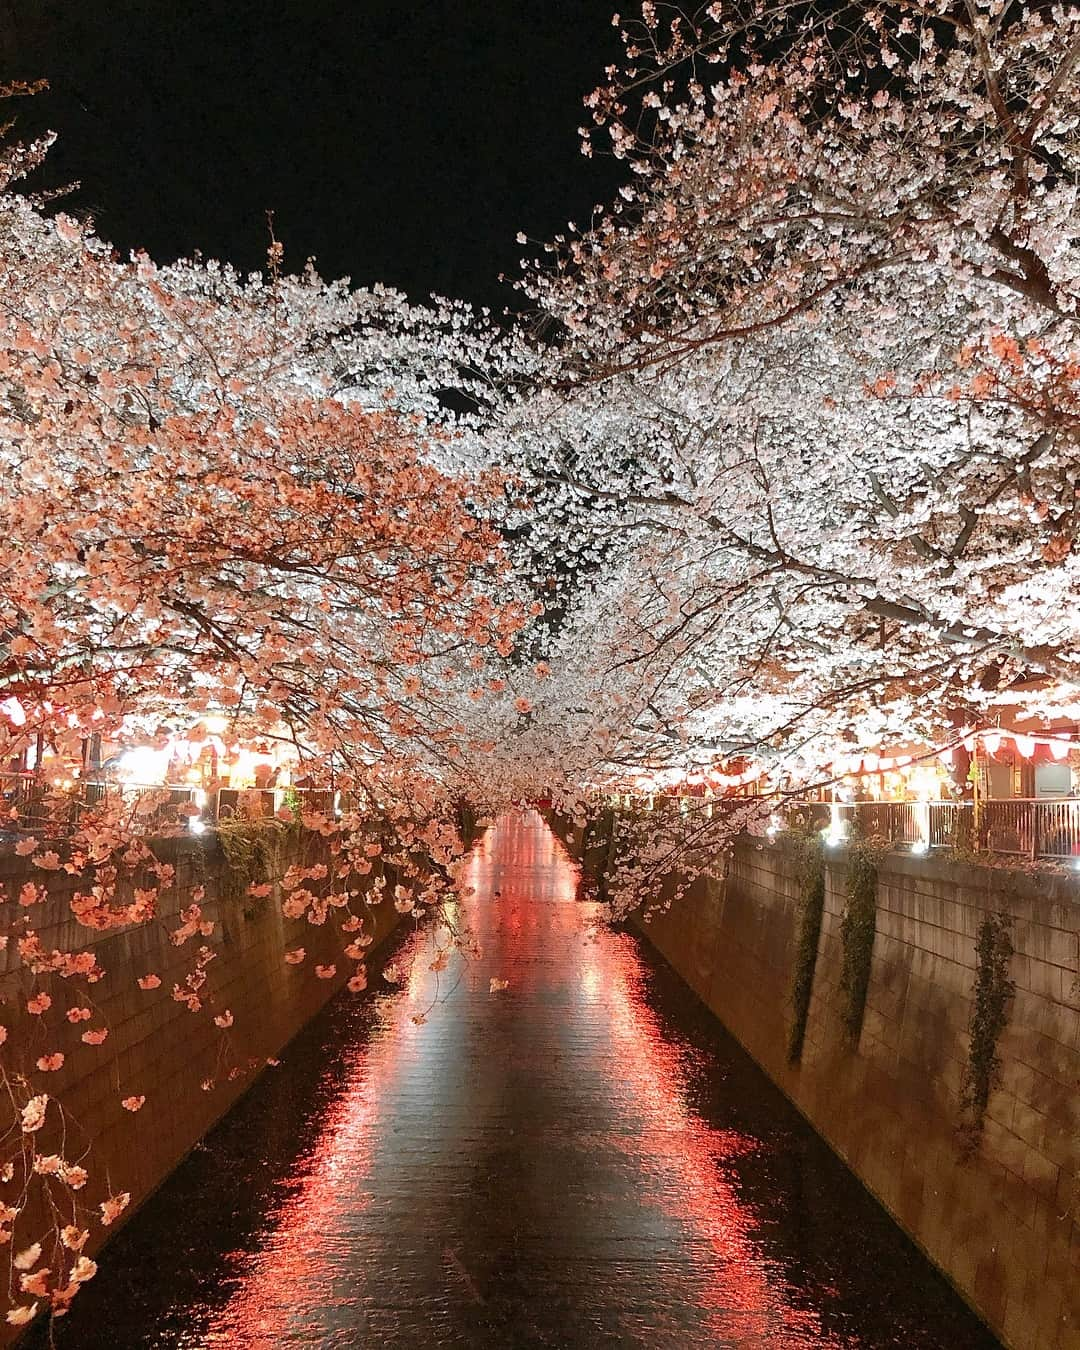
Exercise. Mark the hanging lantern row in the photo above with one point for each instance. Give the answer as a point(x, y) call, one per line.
point(869, 763)
point(726, 780)
point(1059, 746)
point(1026, 745)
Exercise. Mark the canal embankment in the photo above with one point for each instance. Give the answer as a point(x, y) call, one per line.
point(536, 1136)
point(878, 1001)
point(187, 1067)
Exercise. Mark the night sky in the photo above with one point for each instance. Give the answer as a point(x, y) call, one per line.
point(399, 143)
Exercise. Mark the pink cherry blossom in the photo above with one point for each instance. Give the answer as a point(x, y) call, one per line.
point(113, 1207)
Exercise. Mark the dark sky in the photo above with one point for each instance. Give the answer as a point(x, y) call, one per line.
point(398, 143)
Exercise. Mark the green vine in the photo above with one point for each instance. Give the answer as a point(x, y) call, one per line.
point(466, 822)
point(857, 930)
point(253, 854)
point(597, 850)
point(989, 1013)
point(811, 907)
point(607, 864)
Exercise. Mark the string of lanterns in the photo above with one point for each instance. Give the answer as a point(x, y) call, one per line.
point(1060, 746)
point(991, 739)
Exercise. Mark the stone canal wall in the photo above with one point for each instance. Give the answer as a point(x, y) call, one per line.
point(156, 1048)
point(1003, 1222)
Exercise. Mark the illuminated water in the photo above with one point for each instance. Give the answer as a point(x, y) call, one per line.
point(582, 1159)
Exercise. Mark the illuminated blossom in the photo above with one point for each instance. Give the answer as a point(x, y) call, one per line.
point(84, 1269)
point(28, 1257)
point(114, 1206)
point(74, 1238)
point(33, 1113)
point(37, 1283)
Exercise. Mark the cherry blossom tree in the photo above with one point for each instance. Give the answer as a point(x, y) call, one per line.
point(806, 471)
point(798, 474)
point(221, 495)
point(819, 392)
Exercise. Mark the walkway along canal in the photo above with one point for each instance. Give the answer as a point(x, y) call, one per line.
point(582, 1158)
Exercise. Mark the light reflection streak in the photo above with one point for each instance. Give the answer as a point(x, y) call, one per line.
point(290, 1290)
point(744, 1303)
point(286, 1279)
point(740, 1300)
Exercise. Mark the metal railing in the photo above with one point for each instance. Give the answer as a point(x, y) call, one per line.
point(52, 808)
point(1034, 828)
point(1025, 826)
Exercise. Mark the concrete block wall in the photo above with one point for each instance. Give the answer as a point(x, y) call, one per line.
point(1003, 1225)
point(155, 1046)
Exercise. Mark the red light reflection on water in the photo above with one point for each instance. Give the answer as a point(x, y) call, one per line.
point(289, 1278)
point(745, 1306)
point(540, 938)
point(746, 1299)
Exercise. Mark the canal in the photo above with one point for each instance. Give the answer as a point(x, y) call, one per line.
point(582, 1158)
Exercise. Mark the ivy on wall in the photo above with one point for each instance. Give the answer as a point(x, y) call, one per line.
point(811, 907)
point(253, 855)
point(857, 929)
point(990, 1005)
point(598, 843)
point(607, 866)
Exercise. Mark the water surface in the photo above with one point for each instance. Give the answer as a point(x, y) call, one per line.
point(584, 1158)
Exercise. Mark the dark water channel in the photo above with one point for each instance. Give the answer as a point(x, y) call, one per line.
point(582, 1159)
